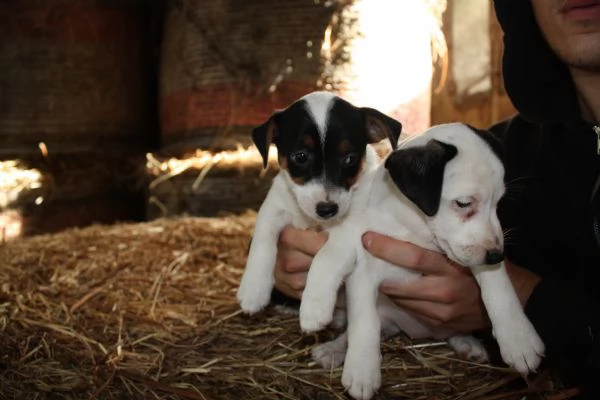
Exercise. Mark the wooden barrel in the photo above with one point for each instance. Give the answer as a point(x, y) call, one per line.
point(71, 72)
point(74, 104)
point(227, 64)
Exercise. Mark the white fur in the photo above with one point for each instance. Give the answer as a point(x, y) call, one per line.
point(319, 104)
point(476, 175)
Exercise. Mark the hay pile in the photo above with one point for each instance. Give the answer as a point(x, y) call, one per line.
point(147, 311)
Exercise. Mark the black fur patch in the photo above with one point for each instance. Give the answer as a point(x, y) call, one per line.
point(419, 173)
point(491, 140)
point(339, 159)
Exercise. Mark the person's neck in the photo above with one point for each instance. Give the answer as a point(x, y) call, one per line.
point(588, 90)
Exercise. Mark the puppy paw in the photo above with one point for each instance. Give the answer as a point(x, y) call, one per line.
point(520, 346)
point(315, 313)
point(286, 310)
point(362, 375)
point(254, 295)
point(469, 348)
point(329, 355)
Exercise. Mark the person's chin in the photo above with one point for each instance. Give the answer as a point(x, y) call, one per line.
point(584, 53)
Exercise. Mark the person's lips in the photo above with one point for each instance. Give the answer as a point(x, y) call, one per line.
point(581, 9)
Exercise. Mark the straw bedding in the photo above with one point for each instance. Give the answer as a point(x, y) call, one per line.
point(147, 311)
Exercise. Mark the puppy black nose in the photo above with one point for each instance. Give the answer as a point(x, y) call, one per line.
point(493, 257)
point(326, 209)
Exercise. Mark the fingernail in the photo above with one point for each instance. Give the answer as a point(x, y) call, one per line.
point(366, 239)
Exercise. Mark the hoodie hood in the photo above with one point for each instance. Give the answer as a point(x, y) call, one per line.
point(537, 82)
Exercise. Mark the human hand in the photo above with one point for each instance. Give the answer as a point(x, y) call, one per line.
point(446, 297)
point(295, 251)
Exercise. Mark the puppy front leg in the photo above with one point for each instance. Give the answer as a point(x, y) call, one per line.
point(329, 267)
point(362, 368)
point(520, 345)
point(257, 282)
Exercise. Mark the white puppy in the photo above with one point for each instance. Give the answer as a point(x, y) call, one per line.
point(439, 190)
point(326, 169)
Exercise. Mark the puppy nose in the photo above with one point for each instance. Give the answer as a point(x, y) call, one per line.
point(326, 209)
point(493, 256)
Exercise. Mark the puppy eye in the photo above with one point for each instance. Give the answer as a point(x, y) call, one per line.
point(349, 160)
point(299, 158)
point(462, 204)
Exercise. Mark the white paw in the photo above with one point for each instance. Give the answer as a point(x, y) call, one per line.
point(520, 346)
point(286, 310)
point(328, 356)
point(469, 348)
point(362, 375)
point(254, 294)
point(315, 312)
point(331, 354)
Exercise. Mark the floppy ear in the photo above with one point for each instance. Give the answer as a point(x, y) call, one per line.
point(263, 136)
point(419, 173)
point(380, 126)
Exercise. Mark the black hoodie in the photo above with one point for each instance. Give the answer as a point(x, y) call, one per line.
point(550, 212)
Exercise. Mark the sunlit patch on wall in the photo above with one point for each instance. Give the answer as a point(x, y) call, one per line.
point(19, 187)
point(389, 61)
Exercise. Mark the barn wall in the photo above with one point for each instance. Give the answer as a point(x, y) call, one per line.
point(227, 65)
point(483, 109)
point(76, 78)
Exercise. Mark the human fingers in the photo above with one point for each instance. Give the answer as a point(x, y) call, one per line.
point(447, 317)
point(438, 289)
point(290, 260)
point(291, 270)
point(292, 285)
point(294, 256)
point(452, 303)
point(410, 256)
point(307, 241)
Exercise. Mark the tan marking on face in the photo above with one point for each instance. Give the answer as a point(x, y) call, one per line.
point(351, 180)
point(298, 181)
point(283, 163)
point(344, 147)
point(309, 142)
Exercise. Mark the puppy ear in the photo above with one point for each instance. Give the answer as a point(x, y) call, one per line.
point(380, 126)
point(492, 141)
point(263, 136)
point(419, 173)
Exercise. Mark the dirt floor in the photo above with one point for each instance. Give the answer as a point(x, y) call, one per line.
point(148, 311)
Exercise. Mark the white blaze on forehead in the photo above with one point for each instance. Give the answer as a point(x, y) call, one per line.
point(318, 105)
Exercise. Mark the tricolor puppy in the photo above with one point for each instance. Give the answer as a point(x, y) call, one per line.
point(438, 190)
point(326, 164)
